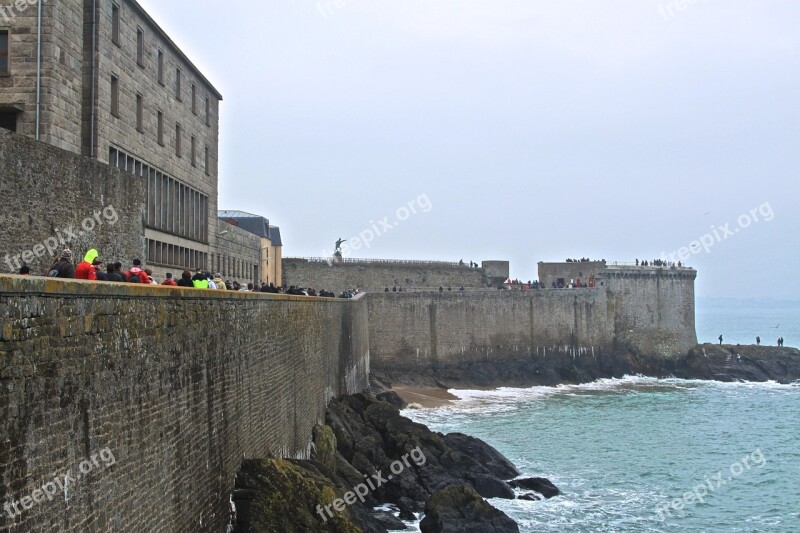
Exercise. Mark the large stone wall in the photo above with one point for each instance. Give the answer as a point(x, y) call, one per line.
point(451, 328)
point(644, 312)
point(653, 309)
point(48, 194)
point(376, 276)
point(179, 385)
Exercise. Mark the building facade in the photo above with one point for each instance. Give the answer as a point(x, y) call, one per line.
point(270, 244)
point(101, 78)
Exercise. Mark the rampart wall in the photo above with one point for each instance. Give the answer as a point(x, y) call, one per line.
point(179, 384)
point(376, 276)
point(446, 328)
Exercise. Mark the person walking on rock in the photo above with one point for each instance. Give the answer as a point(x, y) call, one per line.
point(758, 341)
point(720, 340)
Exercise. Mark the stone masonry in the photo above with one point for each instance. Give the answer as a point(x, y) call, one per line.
point(179, 385)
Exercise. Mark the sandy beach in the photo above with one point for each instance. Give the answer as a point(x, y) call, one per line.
point(425, 397)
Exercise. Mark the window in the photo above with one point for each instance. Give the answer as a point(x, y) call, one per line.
point(115, 96)
point(208, 111)
point(178, 84)
point(115, 24)
point(3, 51)
point(140, 113)
point(207, 161)
point(194, 98)
point(161, 67)
point(140, 47)
point(8, 121)
point(194, 151)
point(178, 140)
point(161, 128)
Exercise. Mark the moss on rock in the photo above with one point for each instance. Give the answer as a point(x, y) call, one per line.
point(285, 496)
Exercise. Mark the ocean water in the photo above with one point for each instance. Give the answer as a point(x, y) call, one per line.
point(739, 321)
point(622, 451)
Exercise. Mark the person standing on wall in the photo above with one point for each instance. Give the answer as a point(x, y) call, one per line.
point(63, 267)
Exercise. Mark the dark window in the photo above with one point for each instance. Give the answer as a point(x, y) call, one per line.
point(8, 121)
point(194, 98)
point(208, 111)
point(115, 24)
point(178, 84)
point(140, 113)
point(115, 96)
point(161, 67)
point(178, 140)
point(208, 161)
point(161, 128)
point(194, 151)
point(140, 47)
point(4, 52)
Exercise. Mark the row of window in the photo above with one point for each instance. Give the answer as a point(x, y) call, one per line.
point(160, 131)
point(140, 60)
point(172, 207)
point(171, 255)
point(180, 257)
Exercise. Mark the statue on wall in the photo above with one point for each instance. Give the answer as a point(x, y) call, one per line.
point(337, 251)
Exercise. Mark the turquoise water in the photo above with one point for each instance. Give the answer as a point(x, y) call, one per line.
point(620, 450)
point(739, 321)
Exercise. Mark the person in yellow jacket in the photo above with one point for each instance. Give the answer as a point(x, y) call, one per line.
point(200, 280)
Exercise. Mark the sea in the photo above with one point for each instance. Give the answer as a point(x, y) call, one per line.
point(644, 454)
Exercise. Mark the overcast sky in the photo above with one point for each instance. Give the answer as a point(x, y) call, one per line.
point(519, 130)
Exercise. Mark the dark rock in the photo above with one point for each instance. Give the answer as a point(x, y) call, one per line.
point(487, 456)
point(541, 485)
point(391, 397)
point(407, 508)
point(508, 369)
point(389, 521)
point(530, 497)
point(459, 509)
point(491, 487)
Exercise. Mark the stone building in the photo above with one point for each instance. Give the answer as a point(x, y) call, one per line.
point(270, 244)
point(101, 78)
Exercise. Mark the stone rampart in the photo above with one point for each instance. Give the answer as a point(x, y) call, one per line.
point(178, 384)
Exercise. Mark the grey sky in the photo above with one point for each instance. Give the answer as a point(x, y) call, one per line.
point(538, 130)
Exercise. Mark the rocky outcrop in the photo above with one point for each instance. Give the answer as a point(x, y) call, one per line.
point(368, 454)
point(741, 363)
point(706, 361)
point(459, 509)
point(539, 484)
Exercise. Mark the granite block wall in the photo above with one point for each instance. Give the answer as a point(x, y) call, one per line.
point(178, 384)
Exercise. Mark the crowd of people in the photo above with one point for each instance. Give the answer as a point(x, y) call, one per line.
point(658, 263)
point(92, 268)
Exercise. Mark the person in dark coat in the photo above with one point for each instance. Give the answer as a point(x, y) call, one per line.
point(186, 280)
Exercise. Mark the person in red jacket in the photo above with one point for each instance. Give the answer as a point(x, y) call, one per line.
point(137, 271)
point(169, 281)
point(86, 268)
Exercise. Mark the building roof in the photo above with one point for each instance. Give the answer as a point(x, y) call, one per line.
point(174, 46)
point(255, 224)
point(275, 236)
